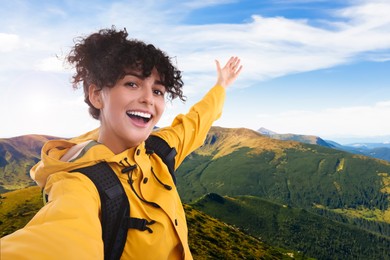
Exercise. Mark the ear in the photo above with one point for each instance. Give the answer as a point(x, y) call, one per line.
point(94, 95)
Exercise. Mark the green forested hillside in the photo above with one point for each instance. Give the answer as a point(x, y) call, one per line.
point(299, 229)
point(336, 185)
point(298, 175)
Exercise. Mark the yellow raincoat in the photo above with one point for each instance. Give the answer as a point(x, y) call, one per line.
point(68, 226)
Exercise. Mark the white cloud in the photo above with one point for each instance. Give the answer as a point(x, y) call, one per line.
point(341, 121)
point(54, 64)
point(9, 42)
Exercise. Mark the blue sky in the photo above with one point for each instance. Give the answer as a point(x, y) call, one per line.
point(310, 66)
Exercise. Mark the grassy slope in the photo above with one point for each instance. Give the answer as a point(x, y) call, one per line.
point(18, 207)
point(295, 228)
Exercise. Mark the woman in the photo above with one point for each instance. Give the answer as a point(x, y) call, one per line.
point(125, 83)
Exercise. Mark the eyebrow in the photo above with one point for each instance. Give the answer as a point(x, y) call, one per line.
point(135, 74)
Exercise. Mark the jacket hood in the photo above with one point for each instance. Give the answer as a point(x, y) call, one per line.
point(54, 150)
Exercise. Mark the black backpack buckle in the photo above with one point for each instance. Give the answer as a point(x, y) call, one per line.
point(140, 224)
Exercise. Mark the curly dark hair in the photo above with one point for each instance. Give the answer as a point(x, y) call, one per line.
point(103, 57)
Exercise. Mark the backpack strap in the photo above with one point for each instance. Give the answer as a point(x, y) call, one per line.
point(115, 208)
point(164, 151)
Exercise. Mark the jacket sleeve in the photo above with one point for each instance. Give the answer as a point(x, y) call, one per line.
point(188, 131)
point(67, 227)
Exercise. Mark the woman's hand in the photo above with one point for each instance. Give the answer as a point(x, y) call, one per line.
point(228, 74)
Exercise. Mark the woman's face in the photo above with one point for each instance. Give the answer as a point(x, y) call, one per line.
point(129, 110)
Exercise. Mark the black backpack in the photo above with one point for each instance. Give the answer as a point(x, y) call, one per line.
point(115, 207)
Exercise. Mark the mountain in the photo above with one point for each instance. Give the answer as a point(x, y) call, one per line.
point(17, 156)
point(374, 150)
point(370, 145)
point(309, 139)
point(265, 131)
point(295, 228)
point(209, 238)
point(380, 153)
point(235, 162)
point(331, 193)
point(241, 161)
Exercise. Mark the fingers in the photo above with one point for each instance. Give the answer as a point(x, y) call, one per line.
point(218, 65)
point(238, 70)
point(234, 65)
point(228, 74)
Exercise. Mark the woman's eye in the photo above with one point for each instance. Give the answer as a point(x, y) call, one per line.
point(159, 92)
point(131, 84)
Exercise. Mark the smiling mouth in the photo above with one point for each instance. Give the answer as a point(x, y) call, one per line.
point(136, 115)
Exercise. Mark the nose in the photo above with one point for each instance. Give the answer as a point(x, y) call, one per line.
point(147, 96)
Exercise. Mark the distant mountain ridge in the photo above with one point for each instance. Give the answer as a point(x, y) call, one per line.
point(309, 139)
point(17, 156)
point(374, 150)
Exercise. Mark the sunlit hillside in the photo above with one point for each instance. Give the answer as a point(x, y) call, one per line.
point(17, 156)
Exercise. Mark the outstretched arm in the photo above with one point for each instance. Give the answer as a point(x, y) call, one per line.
point(228, 74)
point(188, 131)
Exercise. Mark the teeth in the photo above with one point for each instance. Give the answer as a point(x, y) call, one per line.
point(140, 114)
